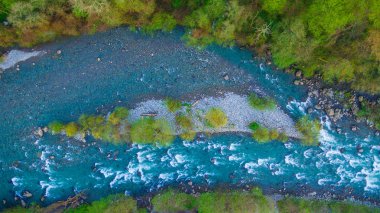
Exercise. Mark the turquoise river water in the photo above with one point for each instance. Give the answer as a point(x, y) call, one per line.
point(135, 67)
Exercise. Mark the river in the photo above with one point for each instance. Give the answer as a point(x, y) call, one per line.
point(95, 73)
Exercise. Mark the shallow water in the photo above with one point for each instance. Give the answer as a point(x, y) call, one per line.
point(135, 67)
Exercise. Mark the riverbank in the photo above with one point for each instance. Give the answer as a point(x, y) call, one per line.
point(217, 200)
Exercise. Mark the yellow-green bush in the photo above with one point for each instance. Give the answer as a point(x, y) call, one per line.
point(71, 129)
point(216, 118)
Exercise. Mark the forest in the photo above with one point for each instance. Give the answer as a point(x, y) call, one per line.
point(336, 39)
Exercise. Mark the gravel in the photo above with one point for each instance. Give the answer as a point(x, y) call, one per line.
point(240, 114)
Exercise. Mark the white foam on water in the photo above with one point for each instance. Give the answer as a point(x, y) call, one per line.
point(166, 176)
point(323, 181)
point(372, 180)
point(300, 176)
point(107, 172)
point(179, 158)
point(16, 56)
point(277, 169)
point(298, 106)
point(121, 177)
point(289, 159)
point(16, 181)
point(234, 158)
point(49, 186)
point(289, 145)
point(251, 166)
point(233, 146)
point(264, 162)
point(355, 163)
point(326, 138)
point(308, 153)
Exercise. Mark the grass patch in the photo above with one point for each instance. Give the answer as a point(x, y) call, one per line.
point(309, 129)
point(110, 204)
point(173, 201)
point(290, 205)
point(173, 105)
point(235, 201)
point(216, 118)
point(261, 103)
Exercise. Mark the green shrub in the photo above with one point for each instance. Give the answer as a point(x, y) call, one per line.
point(161, 21)
point(56, 127)
point(273, 134)
point(184, 122)
point(26, 15)
point(163, 133)
point(235, 201)
point(261, 135)
point(254, 126)
point(119, 114)
point(188, 135)
point(172, 201)
point(110, 204)
point(309, 130)
point(259, 103)
point(216, 118)
point(71, 129)
point(150, 130)
point(282, 137)
point(2, 58)
point(186, 125)
point(173, 105)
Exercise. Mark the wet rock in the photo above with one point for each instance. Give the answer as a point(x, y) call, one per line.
point(377, 133)
point(361, 99)
point(59, 52)
point(98, 59)
point(190, 183)
point(296, 82)
point(4, 201)
point(226, 77)
point(43, 198)
point(339, 130)
point(298, 73)
point(52, 157)
point(27, 194)
point(318, 107)
point(354, 128)
point(309, 110)
point(23, 204)
point(39, 132)
point(16, 198)
point(359, 149)
point(342, 150)
point(45, 129)
point(330, 112)
point(213, 160)
point(312, 193)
